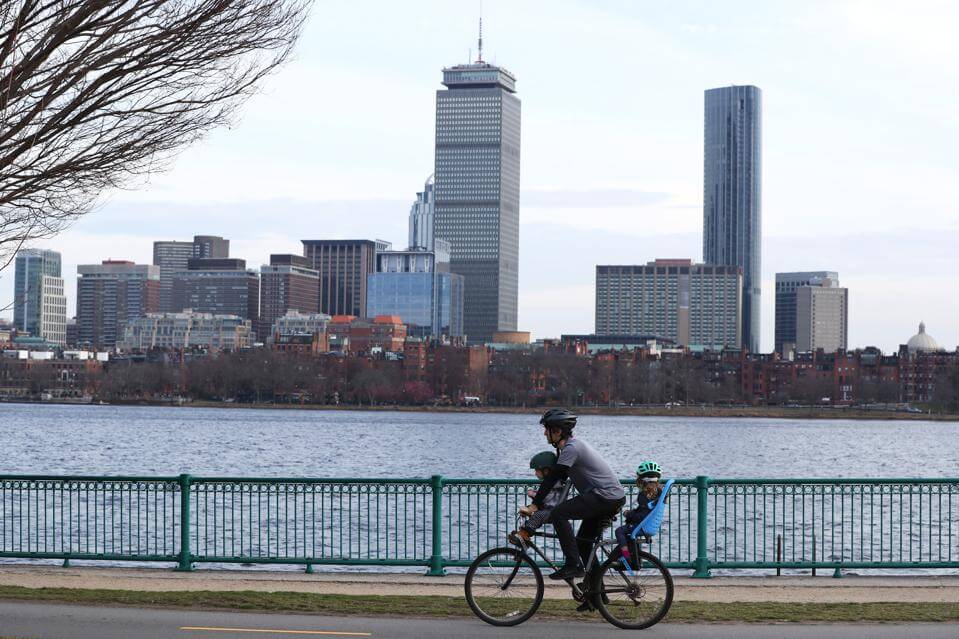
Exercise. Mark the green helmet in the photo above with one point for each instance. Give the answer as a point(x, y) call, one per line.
point(544, 459)
point(649, 469)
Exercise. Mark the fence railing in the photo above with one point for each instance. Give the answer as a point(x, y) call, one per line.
point(440, 522)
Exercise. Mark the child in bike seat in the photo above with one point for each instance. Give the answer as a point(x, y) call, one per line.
point(648, 475)
point(540, 464)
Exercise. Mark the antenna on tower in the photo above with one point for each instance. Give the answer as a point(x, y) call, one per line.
point(480, 34)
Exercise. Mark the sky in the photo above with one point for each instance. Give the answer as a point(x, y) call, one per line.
point(860, 124)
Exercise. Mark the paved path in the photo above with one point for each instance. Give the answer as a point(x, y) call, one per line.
point(57, 621)
point(822, 589)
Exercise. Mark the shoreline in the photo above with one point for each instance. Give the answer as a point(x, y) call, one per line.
point(739, 412)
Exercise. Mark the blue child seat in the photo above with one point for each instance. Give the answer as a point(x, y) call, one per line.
point(650, 524)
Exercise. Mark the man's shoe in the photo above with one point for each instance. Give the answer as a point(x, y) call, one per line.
point(585, 607)
point(568, 572)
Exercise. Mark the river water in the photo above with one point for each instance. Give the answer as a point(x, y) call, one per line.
point(63, 439)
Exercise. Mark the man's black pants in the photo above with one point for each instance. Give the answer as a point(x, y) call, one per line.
point(590, 508)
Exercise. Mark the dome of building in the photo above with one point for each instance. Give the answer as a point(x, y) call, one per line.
point(922, 341)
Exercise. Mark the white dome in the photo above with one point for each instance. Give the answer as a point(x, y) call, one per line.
point(922, 341)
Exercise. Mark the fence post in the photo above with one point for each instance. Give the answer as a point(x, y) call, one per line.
point(701, 564)
point(185, 564)
point(436, 559)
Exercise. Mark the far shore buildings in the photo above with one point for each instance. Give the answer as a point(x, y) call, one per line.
point(732, 193)
point(694, 305)
point(173, 256)
point(187, 330)
point(109, 295)
point(812, 312)
point(476, 191)
point(288, 283)
point(220, 286)
point(39, 301)
point(416, 286)
point(342, 267)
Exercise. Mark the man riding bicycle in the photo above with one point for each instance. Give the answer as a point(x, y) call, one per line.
point(601, 494)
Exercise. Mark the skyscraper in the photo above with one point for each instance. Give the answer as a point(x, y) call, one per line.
point(732, 193)
point(422, 218)
point(210, 246)
point(812, 312)
point(39, 304)
point(822, 318)
point(416, 285)
point(109, 295)
point(695, 305)
point(221, 286)
point(787, 284)
point(288, 283)
point(477, 173)
point(172, 257)
point(343, 266)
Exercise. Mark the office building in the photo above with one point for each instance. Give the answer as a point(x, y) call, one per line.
point(416, 286)
point(694, 305)
point(476, 191)
point(187, 330)
point(172, 257)
point(111, 294)
point(288, 283)
point(422, 218)
point(343, 267)
point(732, 193)
point(220, 286)
point(39, 302)
point(787, 284)
point(210, 246)
point(822, 318)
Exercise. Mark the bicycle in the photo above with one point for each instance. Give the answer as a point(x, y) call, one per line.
point(504, 586)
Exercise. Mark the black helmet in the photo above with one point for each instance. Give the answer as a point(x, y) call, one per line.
point(558, 418)
point(544, 459)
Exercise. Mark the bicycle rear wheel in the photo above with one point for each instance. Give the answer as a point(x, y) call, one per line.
point(634, 601)
point(504, 587)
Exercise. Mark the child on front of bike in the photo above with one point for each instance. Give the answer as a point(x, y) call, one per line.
point(540, 463)
point(648, 475)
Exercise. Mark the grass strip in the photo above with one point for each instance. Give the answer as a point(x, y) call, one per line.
point(446, 607)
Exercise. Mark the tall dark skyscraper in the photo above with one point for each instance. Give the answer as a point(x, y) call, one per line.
point(732, 193)
point(477, 191)
point(343, 267)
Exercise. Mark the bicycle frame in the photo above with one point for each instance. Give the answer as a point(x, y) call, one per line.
point(597, 544)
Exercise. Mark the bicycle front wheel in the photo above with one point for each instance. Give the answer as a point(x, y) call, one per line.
point(637, 599)
point(504, 587)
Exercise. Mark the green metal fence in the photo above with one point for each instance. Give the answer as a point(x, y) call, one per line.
point(439, 522)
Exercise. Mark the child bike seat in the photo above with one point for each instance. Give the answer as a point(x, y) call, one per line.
point(649, 526)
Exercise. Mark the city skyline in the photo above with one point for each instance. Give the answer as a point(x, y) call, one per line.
point(611, 174)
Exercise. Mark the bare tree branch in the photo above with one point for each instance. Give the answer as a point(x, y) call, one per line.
point(97, 94)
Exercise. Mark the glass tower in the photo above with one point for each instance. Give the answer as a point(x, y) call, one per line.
point(39, 304)
point(421, 218)
point(732, 193)
point(477, 191)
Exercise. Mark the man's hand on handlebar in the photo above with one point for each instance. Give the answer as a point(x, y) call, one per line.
point(526, 511)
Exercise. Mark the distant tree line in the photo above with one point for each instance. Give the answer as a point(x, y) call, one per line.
point(511, 378)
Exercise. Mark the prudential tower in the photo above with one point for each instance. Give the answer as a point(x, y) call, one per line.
point(732, 193)
point(477, 190)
